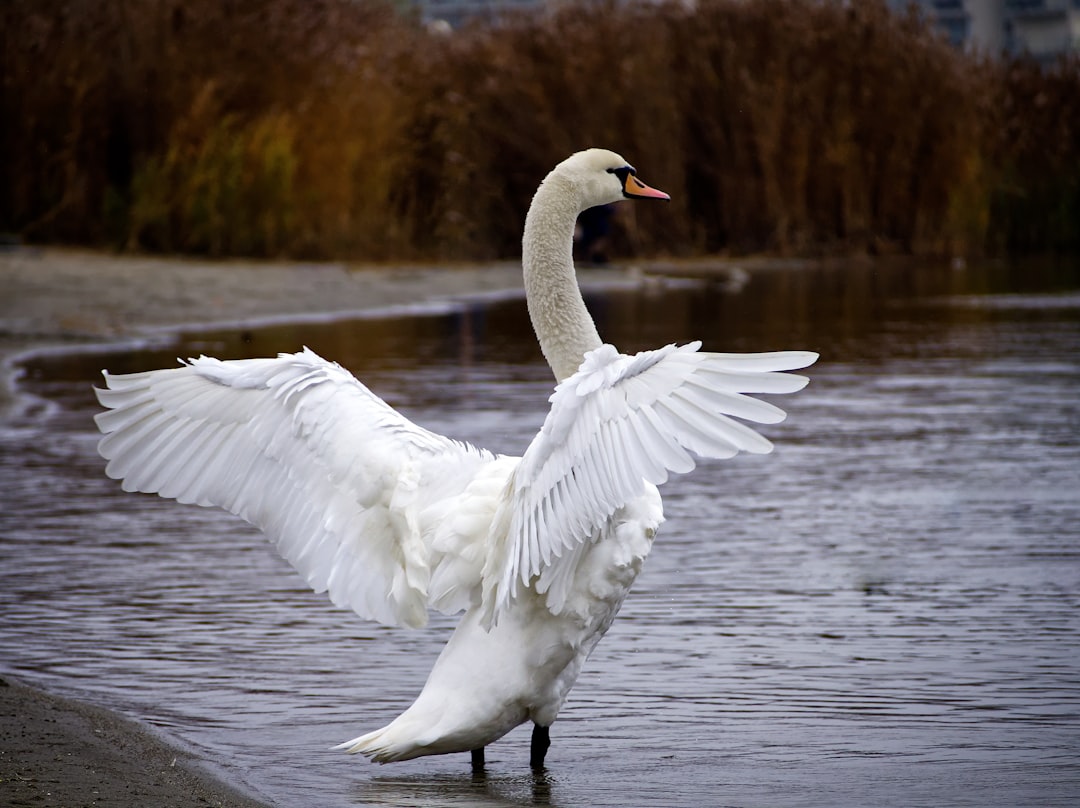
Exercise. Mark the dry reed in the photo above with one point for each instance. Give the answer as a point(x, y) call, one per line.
point(344, 128)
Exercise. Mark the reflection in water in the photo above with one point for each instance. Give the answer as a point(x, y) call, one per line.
point(882, 611)
point(479, 790)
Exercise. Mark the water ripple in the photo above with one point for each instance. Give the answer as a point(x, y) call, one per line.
point(883, 611)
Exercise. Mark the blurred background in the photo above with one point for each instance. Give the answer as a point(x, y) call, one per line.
point(370, 130)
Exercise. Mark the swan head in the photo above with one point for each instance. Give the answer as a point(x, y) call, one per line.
point(602, 177)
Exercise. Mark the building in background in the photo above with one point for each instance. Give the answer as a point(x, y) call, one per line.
point(1045, 29)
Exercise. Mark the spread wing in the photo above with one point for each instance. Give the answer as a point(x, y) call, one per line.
point(295, 445)
point(617, 424)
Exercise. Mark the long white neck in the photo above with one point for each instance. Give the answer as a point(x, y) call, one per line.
point(559, 317)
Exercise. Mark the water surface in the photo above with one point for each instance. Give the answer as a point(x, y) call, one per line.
point(884, 611)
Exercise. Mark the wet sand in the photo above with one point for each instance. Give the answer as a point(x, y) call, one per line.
point(59, 752)
point(57, 298)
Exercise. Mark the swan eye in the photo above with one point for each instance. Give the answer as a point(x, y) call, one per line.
point(624, 173)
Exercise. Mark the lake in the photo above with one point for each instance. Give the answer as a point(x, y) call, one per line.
point(884, 611)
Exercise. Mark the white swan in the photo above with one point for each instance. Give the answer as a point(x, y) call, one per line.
point(391, 519)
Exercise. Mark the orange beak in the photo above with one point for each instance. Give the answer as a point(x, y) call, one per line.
point(636, 189)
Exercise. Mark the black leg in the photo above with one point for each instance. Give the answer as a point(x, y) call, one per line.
point(541, 740)
point(478, 759)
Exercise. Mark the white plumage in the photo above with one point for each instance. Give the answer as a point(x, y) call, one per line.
point(390, 519)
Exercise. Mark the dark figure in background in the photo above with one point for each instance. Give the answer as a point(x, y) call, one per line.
point(594, 225)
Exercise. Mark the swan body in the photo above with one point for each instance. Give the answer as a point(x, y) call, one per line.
point(392, 520)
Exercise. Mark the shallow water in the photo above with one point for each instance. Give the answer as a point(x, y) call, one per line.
point(884, 611)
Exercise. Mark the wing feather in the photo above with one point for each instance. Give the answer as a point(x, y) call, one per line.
point(617, 425)
point(336, 478)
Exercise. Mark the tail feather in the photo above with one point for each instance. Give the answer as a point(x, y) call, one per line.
point(367, 745)
point(380, 747)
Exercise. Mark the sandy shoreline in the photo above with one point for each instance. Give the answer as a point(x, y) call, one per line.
point(57, 298)
point(56, 751)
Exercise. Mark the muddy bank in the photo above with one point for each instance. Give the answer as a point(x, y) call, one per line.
point(60, 752)
point(53, 298)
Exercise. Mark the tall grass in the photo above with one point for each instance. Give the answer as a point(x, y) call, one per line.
point(344, 128)
point(1036, 197)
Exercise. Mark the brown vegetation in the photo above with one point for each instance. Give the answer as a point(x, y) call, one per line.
point(344, 128)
